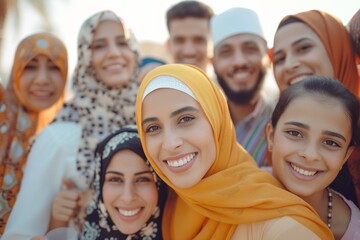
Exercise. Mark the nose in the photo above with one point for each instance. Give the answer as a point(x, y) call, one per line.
point(189, 49)
point(129, 192)
point(41, 77)
point(291, 63)
point(171, 140)
point(310, 152)
point(114, 50)
point(239, 58)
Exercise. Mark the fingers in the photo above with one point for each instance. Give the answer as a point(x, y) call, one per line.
point(68, 184)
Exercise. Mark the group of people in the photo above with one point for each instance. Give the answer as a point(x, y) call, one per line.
point(151, 150)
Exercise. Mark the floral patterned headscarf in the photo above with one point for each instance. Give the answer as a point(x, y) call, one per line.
point(98, 224)
point(23, 121)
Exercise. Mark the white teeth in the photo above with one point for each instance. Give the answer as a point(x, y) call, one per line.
point(114, 67)
point(182, 161)
point(303, 171)
point(241, 75)
point(298, 79)
point(129, 213)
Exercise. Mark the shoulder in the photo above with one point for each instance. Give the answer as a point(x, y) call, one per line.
point(59, 133)
point(281, 228)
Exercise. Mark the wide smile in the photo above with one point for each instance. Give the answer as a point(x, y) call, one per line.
point(297, 78)
point(42, 94)
point(115, 67)
point(129, 213)
point(181, 161)
point(302, 173)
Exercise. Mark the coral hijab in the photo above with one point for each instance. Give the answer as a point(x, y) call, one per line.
point(234, 190)
point(23, 121)
point(337, 42)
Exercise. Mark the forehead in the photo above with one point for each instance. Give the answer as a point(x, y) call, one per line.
point(128, 160)
point(242, 38)
point(292, 32)
point(189, 25)
point(108, 28)
point(319, 110)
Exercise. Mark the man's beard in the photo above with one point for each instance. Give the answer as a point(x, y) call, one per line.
point(241, 97)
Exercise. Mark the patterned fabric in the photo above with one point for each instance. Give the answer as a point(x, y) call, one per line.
point(96, 107)
point(98, 224)
point(234, 190)
point(22, 121)
point(250, 132)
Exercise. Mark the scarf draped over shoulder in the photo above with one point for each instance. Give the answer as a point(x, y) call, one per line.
point(234, 190)
point(22, 121)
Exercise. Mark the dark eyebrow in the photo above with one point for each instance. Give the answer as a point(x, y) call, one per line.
point(121, 174)
point(298, 124)
point(334, 134)
point(294, 43)
point(181, 110)
point(330, 133)
point(184, 109)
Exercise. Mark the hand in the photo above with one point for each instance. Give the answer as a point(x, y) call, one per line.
point(38, 238)
point(65, 205)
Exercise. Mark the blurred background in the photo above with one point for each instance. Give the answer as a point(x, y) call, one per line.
point(145, 17)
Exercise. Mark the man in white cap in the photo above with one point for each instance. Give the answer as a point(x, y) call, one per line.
point(240, 61)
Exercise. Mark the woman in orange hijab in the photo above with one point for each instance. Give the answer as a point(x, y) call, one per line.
point(317, 43)
point(218, 192)
point(34, 95)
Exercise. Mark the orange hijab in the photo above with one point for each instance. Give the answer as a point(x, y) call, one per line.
point(22, 122)
point(234, 191)
point(338, 43)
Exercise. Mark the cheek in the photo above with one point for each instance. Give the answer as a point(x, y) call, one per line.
point(109, 193)
point(150, 195)
point(153, 147)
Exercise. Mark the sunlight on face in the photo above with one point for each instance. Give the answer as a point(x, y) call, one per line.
point(178, 136)
point(129, 192)
point(41, 84)
point(112, 59)
point(299, 52)
point(310, 143)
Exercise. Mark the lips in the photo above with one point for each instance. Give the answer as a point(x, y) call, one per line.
point(128, 212)
point(181, 161)
point(114, 67)
point(302, 171)
point(41, 94)
point(297, 78)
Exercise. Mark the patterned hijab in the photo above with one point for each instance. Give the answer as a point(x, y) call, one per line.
point(338, 44)
point(96, 107)
point(98, 224)
point(234, 190)
point(22, 121)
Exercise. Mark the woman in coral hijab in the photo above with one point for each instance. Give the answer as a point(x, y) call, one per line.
point(317, 43)
point(33, 97)
point(218, 192)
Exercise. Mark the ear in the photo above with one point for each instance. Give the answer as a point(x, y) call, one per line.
point(270, 131)
point(348, 153)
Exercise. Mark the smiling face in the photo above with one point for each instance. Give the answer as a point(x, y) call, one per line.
point(310, 143)
point(129, 192)
point(113, 60)
point(41, 83)
point(298, 52)
point(188, 41)
point(241, 61)
point(178, 136)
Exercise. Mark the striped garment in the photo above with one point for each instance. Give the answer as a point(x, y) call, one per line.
point(250, 131)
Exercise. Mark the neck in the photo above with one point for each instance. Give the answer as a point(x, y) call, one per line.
point(240, 111)
point(319, 201)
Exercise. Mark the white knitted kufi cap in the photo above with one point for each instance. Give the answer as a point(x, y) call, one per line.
point(235, 21)
point(167, 82)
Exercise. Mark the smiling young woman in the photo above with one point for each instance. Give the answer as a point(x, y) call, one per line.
point(217, 189)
